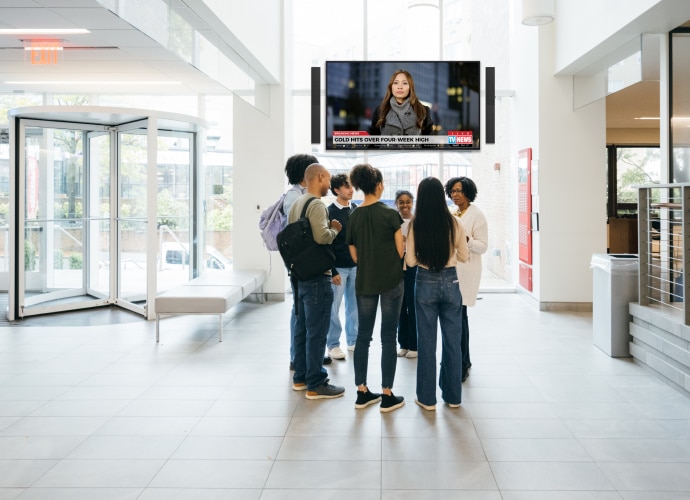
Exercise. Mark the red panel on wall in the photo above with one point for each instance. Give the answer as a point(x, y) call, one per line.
point(526, 277)
point(524, 205)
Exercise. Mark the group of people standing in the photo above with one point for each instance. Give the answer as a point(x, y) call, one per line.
point(417, 266)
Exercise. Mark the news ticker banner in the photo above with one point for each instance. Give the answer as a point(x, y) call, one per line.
point(454, 138)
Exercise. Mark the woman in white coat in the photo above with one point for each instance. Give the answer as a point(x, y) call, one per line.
point(463, 191)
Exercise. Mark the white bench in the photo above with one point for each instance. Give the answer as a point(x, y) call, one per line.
point(210, 293)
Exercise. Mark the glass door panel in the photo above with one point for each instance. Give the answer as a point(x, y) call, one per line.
point(100, 161)
point(131, 218)
point(56, 226)
point(174, 209)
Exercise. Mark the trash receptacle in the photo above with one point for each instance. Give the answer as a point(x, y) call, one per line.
point(615, 278)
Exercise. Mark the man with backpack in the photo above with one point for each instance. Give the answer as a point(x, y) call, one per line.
point(314, 297)
point(274, 219)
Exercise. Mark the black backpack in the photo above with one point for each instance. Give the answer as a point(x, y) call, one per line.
point(304, 258)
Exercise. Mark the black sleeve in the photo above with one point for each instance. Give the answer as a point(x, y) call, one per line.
point(373, 129)
point(428, 123)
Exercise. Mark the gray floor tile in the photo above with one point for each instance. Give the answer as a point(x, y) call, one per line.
point(411, 475)
point(535, 450)
point(80, 494)
point(552, 476)
point(199, 494)
point(214, 474)
point(99, 412)
point(100, 474)
point(334, 448)
point(309, 475)
point(441, 449)
point(37, 447)
point(638, 450)
point(228, 448)
point(671, 477)
point(126, 447)
point(23, 473)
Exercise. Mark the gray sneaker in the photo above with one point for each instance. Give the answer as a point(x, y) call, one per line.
point(326, 391)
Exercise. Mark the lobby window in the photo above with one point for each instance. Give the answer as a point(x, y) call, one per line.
point(630, 166)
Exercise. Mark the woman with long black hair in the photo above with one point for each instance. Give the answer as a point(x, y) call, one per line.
point(436, 241)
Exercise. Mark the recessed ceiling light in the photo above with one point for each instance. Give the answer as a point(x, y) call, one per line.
point(44, 31)
point(86, 82)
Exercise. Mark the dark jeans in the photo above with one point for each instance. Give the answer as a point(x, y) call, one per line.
point(407, 325)
point(315, 299)
point(390, 312)
point(465, 342)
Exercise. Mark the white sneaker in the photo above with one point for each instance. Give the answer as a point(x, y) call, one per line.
point(402, 353)
point(426, 407)
point(351, 348)
point(336, 353)
point(411, 354)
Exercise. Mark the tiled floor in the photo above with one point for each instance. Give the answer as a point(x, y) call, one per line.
point(103, 412)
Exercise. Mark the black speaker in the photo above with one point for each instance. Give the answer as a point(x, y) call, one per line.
point(490, 105)
point(315, 105)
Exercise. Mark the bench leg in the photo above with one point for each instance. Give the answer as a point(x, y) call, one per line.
point(220, 328)
point(158, 317)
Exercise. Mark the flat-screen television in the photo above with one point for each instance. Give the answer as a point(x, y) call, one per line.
point(371, 105)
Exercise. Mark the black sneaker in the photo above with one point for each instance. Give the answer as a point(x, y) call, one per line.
point(327, 360)
point(392, 402)
point(326, 391)
point(366, 398)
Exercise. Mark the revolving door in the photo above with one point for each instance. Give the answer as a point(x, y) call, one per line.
point(88, 213)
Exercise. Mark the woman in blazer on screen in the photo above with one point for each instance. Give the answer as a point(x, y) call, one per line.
point(400, 112)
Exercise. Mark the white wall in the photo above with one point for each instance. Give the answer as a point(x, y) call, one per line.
point(569, 148)
point(258, 26)
point(572, 187)
point(259, 180)
point(524, 79)
point(588, 30)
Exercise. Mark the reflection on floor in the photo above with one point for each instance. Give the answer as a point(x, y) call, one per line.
point(105, 412)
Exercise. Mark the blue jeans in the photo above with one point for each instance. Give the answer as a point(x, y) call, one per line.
point(466, 363)
point(438, 297)
point(348, 275)
point(293, 326)
point(390, 312)
point(315, 298)
point(407, 327)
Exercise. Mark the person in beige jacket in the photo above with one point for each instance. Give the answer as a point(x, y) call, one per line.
point(463, 191)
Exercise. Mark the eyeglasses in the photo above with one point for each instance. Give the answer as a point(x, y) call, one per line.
point(455, 191)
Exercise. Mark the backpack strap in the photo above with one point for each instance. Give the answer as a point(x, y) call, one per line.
point(304, 210)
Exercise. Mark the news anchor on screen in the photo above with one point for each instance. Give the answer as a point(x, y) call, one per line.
point(400, 112)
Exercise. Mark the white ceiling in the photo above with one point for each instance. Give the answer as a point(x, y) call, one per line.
point(113, 51)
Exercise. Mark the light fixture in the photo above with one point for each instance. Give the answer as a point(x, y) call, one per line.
point(44, 31)
point(537, 12)
point(87, 82)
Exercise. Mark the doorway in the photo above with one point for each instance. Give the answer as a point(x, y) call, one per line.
point(89, 213)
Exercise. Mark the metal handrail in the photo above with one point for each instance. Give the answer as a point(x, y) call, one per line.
point(663, 212)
